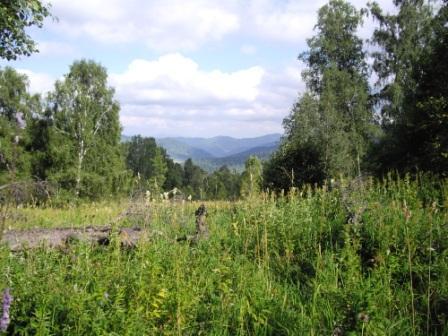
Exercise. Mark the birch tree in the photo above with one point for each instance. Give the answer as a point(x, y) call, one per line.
point(337, 74)
point(410, 64)
point(86, 116)
point(329, 129)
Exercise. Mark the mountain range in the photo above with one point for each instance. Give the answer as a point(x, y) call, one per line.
point(212, 153)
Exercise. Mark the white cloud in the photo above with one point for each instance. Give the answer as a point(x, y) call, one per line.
point(179, 25)
point(173, 95)
point(248, 49)
point(293, 21)
point(38, 82)
point(285, 21)
point(170, 94)
point(175, 79)
point(162, 25)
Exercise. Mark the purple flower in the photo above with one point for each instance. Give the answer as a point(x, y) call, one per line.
point(7, 299)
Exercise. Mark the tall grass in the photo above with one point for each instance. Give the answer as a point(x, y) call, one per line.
point(367, 259)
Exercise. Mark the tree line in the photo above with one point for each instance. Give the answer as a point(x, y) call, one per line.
point(156, 171)
point(342, 125)
point(72, 139)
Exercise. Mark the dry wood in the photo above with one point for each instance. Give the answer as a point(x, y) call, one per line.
point(59, 237)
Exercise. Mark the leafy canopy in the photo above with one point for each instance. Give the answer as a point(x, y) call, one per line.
point(15, 17)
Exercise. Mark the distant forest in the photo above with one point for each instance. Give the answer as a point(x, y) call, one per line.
point(342, 125)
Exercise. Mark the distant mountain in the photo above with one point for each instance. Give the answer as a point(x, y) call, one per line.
point(237, 161)
point(220, 146)
point(212, 153)
point(180, 151)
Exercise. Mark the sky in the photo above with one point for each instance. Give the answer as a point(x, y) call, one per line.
point(195, 68)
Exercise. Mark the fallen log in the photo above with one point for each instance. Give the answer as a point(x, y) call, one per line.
point(18, 240)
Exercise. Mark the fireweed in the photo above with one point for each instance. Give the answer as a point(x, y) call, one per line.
point(7, 299)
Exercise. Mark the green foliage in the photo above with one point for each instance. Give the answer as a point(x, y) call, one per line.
point(193, 180)
point(402, 39)
point(300, 158)
point(428, 121)
point(86, 130)
point(158, 163)
point(16, 108)
point(15, 17)
point(292, 166)
point(252, 177)
point(174, 175)
point(223, 184)
point(293, 265)
point(411, 69)
point(139, 152)
point(337, 76)
point(330, 127)
point(148, 162)
point(335, 46)
point(157, 172)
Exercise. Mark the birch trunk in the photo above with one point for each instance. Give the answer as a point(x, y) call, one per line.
point(81, 155)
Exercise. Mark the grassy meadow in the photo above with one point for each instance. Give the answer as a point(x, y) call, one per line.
point(362, 258)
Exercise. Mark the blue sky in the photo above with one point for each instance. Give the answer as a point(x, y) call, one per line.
point(185, 67)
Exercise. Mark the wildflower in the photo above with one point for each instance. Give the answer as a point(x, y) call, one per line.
point(363, 317)
point(7, 299)
point(337, 332)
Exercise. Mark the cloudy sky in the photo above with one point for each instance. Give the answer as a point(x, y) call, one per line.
point(185, 67)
